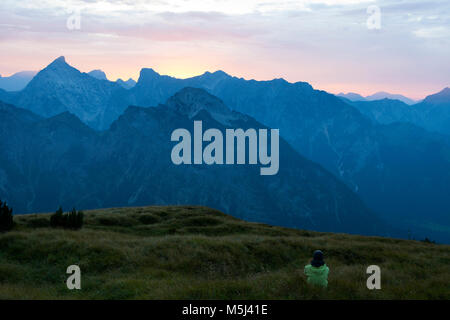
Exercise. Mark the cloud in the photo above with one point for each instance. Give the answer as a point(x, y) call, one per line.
point(325, 42)
point(433, 32)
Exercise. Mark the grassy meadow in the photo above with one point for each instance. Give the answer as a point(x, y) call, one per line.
point(188, 252)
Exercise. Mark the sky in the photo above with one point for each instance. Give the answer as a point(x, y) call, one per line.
point(338, 46)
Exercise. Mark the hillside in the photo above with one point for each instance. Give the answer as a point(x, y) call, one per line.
point(188, 252)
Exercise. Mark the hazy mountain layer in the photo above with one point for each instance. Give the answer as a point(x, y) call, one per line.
point(17, 81)
point(377, 96)
point(61, 161)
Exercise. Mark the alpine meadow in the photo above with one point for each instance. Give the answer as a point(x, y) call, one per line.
point(224, 159)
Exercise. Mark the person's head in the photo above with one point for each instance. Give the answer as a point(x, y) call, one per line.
point(317, 260)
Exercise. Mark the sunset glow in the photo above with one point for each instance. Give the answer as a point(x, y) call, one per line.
point(326, 43)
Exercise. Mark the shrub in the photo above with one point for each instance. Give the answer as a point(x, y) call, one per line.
point(74, 219)
point(56, 220)
point(6, 217)
point(148, 219)
point(426, 240)
point(71, 220)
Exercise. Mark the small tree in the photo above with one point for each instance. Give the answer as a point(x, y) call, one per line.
point(6, 217)
point(426, 240)
point(56, 220)
point(79, 220)
point(70, 220)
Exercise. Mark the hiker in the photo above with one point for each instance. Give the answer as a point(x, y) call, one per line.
point(317, 270)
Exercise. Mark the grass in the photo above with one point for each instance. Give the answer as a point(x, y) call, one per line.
point(187, 252)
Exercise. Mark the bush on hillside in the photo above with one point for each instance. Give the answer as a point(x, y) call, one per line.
point(71, 220)
point(6, 217)
point(426, 240)
point(56, 218)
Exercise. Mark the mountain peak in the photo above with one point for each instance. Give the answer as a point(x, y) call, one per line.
point(60, 59)
point(351, 96)
point(130, 83)
point(58, 63)
point(190, 101)
point(67, 119)
point(56, 72)
point(148, 74)
point(219, 74)
point(66, 115)
point(442, 97)
point(17, 81)
point(98, 74)
point(380, 95)
point(446, 91)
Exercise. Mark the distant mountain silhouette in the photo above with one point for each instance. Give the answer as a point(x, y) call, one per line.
point(385, 95)
point(433, 113)
point(98, 74)
point(17, 81)
point(351, 96)
point(377, 96)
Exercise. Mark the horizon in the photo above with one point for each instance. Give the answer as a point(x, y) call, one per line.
point(336, 46)
point(136, 78)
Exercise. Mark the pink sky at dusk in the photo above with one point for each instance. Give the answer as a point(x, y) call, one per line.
point(325, 42)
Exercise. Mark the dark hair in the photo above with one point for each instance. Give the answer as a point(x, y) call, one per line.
point(317, 260)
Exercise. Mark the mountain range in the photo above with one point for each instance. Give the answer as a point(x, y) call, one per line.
point(20, 80)
point(61, 161)
point(377, 96)
point(130, 83)
point(432, 113)
point(17, 81)
point(396, 163)
point(100, 75)
point(60, 87)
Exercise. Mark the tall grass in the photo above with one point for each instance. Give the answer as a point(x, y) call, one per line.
point(199, 253)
